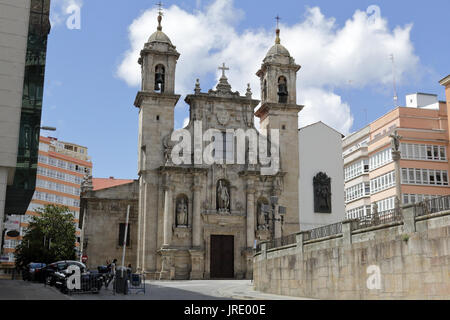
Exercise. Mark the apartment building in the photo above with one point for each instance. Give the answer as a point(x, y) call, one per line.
point(60, 171)
point(369, 168)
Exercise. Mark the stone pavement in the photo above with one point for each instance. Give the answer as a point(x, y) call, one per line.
point(243, 290)
point(155, 290)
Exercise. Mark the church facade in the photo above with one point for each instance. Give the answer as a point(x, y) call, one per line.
point(198, 220)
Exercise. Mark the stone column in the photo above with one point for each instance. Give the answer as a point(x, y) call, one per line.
point(167, 216)
point(196, 219)
point(409, 219)
point(347, 231)
point(398, 190)
point(197, 264)
point(278, 231)
point(250, 214)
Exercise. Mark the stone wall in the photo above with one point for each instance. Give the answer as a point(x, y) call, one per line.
point(102, 212)
point(412, 257)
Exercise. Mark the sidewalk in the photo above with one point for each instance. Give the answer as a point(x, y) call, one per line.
point(243, 290)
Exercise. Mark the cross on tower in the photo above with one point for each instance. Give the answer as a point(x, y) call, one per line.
point(160, 8)
point(278, 20)
point(223, 68)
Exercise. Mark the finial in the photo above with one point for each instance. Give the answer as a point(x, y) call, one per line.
point(249, 91)
point(197, 87)
point(277, 39)
point(160, 15)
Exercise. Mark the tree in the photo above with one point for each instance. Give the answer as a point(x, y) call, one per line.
point(50, 237)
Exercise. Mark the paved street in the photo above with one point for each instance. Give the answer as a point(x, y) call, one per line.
point(155, 290)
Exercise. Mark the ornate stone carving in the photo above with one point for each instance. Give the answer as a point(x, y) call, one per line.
point(395, 142)
point(168, 145)
point(223, 117)
point(261, 216)
point(223, 196)
point(322, 193)
point(182, 212)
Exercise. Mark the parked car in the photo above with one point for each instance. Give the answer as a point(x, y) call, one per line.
point(52, 268)
point(34, 271)
point(90, 281)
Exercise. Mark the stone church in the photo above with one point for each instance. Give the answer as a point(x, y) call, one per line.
point(198, 221)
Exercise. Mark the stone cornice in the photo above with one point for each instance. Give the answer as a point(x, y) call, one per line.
point(141, 95)
point(208, 97)
point(264, 66)
point(267, 107)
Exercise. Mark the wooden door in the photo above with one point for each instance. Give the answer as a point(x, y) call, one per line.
point(222, 257)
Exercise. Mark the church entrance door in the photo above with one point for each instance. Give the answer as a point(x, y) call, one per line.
point(222, 257)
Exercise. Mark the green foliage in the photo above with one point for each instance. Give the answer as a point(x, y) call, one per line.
point(50, 237)
point(405, 237)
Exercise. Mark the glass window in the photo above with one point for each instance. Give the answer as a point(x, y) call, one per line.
point(429, 153)
point(418, 176)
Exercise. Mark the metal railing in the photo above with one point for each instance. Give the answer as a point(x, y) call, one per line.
point(283, 241)
point(432, 206)
point(376, 219)
point(322, 232)
point(394, 215)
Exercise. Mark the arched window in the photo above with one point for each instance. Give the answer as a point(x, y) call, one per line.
point(223, 196)
point(160, 78)
point(181, 211)
point(282, 90)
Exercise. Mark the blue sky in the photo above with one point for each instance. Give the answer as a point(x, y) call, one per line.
point(345, 80)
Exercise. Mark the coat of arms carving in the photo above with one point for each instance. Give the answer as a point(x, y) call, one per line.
point(223, 117)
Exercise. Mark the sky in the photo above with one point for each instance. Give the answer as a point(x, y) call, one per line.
point(344, 48)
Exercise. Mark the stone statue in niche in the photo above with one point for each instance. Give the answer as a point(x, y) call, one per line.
point(282, 90)
point(262, 225)
point(182, 212)
point(223, 196)
point(322, 193)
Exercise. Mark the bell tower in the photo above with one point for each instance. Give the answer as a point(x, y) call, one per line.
point(279, 110)
point(156, 102)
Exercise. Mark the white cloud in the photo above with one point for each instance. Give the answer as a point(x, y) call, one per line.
point(327, 107)
point(330, 55)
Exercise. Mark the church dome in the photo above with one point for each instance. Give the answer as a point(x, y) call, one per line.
point(159, 36)
point(278, 49)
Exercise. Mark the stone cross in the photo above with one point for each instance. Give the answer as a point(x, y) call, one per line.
point(223, 68)
point(160, 6)
point(278, 20)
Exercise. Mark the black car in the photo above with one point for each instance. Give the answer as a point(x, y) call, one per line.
point(89, 282)
point(49, 271)
point(34, 271)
